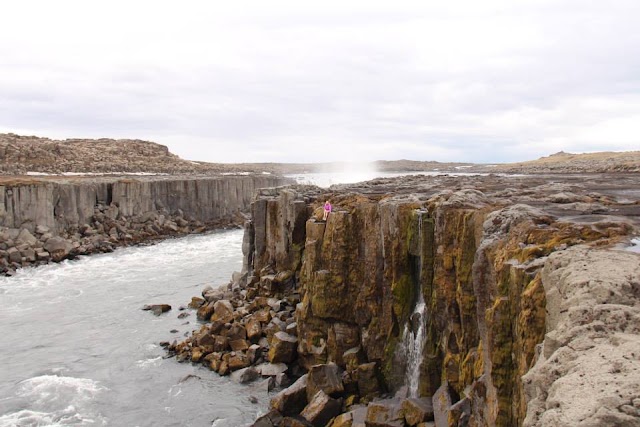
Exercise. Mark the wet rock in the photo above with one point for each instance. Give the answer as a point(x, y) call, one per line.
point(222, 311)
point(245, 375)
point(58, 247)
point(385, 414)
point(271, 369)
point(205, 311)
point(321, 409)
point(157, 309)
point(295, 422)
point(197, 302)
point(417, 410)
point(326, 378)
point(283, 348)
point(368, 380)
point(271, 419)
point(293, 399)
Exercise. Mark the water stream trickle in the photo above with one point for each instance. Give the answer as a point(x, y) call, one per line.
point(414, 334)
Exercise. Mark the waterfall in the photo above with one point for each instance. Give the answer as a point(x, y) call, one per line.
point(414, 334)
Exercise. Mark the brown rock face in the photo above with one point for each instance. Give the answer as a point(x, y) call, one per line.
point(470, 248)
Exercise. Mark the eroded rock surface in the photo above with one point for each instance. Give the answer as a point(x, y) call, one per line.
point(475, 250)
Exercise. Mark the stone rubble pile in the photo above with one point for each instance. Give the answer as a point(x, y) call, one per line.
point(106, 230)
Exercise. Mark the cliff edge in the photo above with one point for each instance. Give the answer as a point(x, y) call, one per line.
point(434, 299)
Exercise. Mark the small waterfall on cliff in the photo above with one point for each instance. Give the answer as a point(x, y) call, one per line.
point(415, 331)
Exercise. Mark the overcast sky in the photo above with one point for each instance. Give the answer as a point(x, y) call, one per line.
point(296, 81)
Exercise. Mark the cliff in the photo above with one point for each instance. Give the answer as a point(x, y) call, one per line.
point(450, 289)
point(94, 214)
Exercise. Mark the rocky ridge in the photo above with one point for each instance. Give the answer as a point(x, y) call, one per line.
point(329, 305)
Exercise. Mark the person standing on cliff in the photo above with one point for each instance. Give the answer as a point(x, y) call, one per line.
point(327, 210)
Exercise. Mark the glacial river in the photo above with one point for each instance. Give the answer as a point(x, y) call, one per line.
point(78, 350)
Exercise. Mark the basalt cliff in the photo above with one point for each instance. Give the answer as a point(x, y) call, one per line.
point(52, 219)
point(447, 301)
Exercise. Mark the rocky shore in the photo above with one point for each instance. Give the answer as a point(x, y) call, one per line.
point(446, 301)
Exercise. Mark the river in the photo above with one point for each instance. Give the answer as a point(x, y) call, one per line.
point(78, 350)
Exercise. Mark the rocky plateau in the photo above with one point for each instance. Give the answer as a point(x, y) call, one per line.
point(531, 303)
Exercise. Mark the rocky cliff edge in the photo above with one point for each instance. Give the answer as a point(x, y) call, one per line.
point(491, 259)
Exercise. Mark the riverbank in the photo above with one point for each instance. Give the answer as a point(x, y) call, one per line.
point(47, 219)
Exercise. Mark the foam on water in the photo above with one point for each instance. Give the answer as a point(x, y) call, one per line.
point(54, 400)
point(78, 349)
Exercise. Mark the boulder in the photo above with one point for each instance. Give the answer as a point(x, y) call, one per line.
point(385, 414)
point(29, 254)
point(238, 360)
point(58, 247)
point(441, 403)
point(343, 420)
point(197, 302)
point(353, 358)
point(245, 375)
point(326, 378)
point(292, 399)
point(43, 256)
point(14, 255)
point(238, 345)
point(157, 309)
point(26, 237)
point(254, 329)
point(204, 312)
point(368, 382)
point(417, 410)
point(271, 419)
point(237, 332)
point(283, 348)
point(321, 409)
point(271, 369)
point(222, 311)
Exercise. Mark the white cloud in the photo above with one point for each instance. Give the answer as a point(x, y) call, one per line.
point(267, 81)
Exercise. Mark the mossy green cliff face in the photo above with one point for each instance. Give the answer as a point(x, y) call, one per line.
point(475, 259)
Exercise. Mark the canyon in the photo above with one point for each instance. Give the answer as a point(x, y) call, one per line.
point(459, 301)
point(52, 219)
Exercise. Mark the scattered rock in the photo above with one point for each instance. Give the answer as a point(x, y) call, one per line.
point(157, 309)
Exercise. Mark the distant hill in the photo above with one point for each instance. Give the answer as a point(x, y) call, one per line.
point(22, 154)
point(601, 162)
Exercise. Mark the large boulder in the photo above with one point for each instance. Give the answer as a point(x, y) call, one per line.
point(222, 311)
point(26, 237)
point(321, 409)
point(417, 410)
point(368, 381)
point(58, 248)
point(14, 255)
point(292, 399)
point(283, 348)
point(326, 378)
point(385, 414)
point(245, 375)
